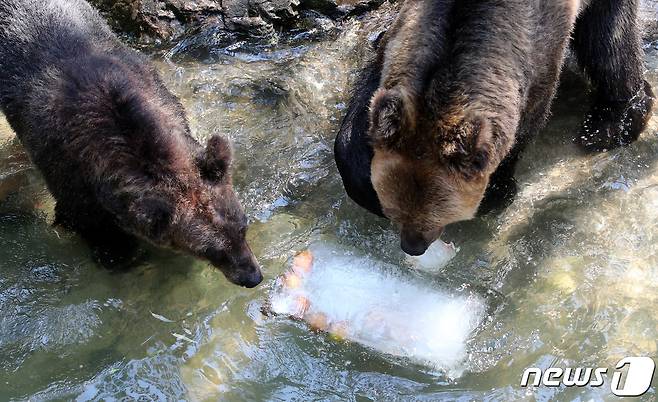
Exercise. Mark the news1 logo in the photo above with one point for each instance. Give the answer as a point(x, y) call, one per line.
point(637, 380)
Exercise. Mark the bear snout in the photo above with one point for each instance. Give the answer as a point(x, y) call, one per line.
point(246, 269)
point(249, 277)
point(413, 243)
point(241, 270)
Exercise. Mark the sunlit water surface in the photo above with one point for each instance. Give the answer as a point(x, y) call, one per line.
point(569, 270)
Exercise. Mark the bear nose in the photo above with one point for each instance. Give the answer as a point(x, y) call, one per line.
point(251, 279)
point(413, 243)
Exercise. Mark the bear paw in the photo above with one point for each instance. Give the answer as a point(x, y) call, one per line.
point(613, 124)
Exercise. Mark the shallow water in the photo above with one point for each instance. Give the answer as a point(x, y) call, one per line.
point(569, 270)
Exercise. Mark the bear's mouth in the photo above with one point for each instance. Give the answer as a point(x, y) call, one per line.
point(248, 278)
point(245, 273)
point(416, 243)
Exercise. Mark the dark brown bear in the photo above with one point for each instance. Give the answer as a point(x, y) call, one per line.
point(440, 116)
point(112, 142)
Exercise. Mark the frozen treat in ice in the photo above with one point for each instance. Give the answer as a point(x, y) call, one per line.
point(378, 305)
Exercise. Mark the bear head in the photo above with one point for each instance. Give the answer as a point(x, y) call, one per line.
point(200, 214)
point(431, 165)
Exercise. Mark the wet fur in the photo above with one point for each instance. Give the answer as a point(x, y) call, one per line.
point(112, 143)
point(463, 85)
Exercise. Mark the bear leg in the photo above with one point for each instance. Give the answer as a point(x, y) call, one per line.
point(502, 189)
point(607, 44)
point(110, 245)
point(114, 250)
point(352, 149)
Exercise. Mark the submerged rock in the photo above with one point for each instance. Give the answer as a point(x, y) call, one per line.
point(649, 19)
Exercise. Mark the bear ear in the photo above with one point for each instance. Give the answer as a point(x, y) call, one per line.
point(388, 115)
point(215, 162)
point(475, 149)
point(153, 215)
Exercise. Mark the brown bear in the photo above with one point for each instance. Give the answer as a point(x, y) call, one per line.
point(457, 88)
point(112, 143)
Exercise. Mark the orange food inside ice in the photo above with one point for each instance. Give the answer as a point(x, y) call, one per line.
point(339, 330)
point(303, 262)
point(292, 280)
point(318, 321)
point(301, 306)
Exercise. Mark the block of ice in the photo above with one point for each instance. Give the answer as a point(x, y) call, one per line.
point(372, 303)
point(437, 256)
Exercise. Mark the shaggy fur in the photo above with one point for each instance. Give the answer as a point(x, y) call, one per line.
point(112, 142)
point(457, 88)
